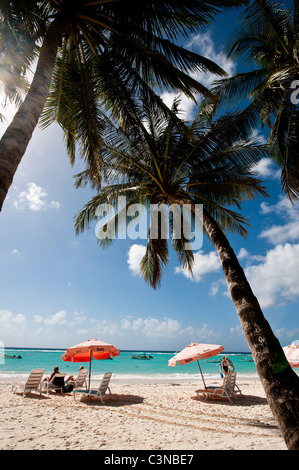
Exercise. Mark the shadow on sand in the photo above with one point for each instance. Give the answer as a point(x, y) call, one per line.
point(238, 400)
point(114, 400)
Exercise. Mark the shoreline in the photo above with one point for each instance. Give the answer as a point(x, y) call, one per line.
point(139, 416)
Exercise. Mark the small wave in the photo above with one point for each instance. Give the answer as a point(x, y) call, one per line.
point(13, 377)
point(30, 351)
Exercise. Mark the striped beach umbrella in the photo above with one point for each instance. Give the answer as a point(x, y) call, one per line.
point(89, 349)
point(194, 352)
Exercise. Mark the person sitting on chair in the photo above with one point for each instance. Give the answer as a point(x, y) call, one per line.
point(71, 378)
point(55, 371)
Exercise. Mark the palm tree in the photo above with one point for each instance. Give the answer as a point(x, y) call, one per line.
point(269, 43)
point(17, 51)
point(135, 39)
point(163, 167)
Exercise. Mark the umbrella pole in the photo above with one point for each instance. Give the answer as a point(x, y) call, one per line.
point(201, 375)
point(89, 370)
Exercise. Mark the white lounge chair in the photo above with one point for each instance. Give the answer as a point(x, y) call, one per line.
point(100, 391)
point(80, 381)
point(33, 382)
point(227, 390)
point(56, 383)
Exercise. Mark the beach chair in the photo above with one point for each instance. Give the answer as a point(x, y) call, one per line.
point(227, 390)
point(100, 391)
point(80, 381)
point(33, 382)
point(55, 384)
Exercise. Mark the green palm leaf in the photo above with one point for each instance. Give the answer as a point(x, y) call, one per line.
point(268, 41)
point(163, 167)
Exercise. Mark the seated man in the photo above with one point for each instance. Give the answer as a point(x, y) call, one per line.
point(55, 371)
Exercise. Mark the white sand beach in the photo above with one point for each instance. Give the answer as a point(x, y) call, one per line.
point(140, 417)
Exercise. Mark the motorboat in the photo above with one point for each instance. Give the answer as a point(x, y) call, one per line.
point(141, 356)
point(12, 357)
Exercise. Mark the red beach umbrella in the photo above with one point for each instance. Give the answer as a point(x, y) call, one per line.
point(194, 352)
point(83, 352)
point(292, 353)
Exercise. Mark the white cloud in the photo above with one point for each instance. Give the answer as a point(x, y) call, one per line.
point(273, 277)
point(19, 319)
point(236, 331)
point(12, 326)
point(203, 264)
point(168, 328)
point(216, 286)
point(8, 318)
point(257, 135)
point(15, 251)
point(152, 327)
point(186, 105)
point(204, 45)
point(149, 332)
point(58, 318)
point(38, 319)
point(34, 199)
point(286, 335)
point(282, 207)
point(275, 280)
point(106, 329)
point(281, 233)
point(243, 254)
point(78, 318)
point(83, 332)
point(132, 330)
point(55, 204)
point(206, 334)
point(267, 169)
point(135, 254)
point(277, 234)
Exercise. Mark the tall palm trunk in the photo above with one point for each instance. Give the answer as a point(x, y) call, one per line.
point(18, 134)
point(280, 382)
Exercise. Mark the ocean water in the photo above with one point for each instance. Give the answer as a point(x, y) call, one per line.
point(123, 367)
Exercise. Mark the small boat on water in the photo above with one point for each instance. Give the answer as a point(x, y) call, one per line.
point(141, 356)
point(12, 357)
point(246, 359)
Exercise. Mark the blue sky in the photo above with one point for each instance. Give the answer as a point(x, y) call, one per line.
point(58, 289)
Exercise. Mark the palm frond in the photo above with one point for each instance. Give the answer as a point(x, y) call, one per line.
point(269, 16)
point(154, 261)
point(231, 91)
point(73, 102)
point(163, 166)
point(283, 141)
point(269, 41)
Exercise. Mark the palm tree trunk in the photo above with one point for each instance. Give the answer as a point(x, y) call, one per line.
point(280, 382)
point(18, 134)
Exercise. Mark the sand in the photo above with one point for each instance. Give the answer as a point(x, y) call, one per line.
point(152, 416)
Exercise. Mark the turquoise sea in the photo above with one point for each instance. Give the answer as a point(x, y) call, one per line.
point(123, 367)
